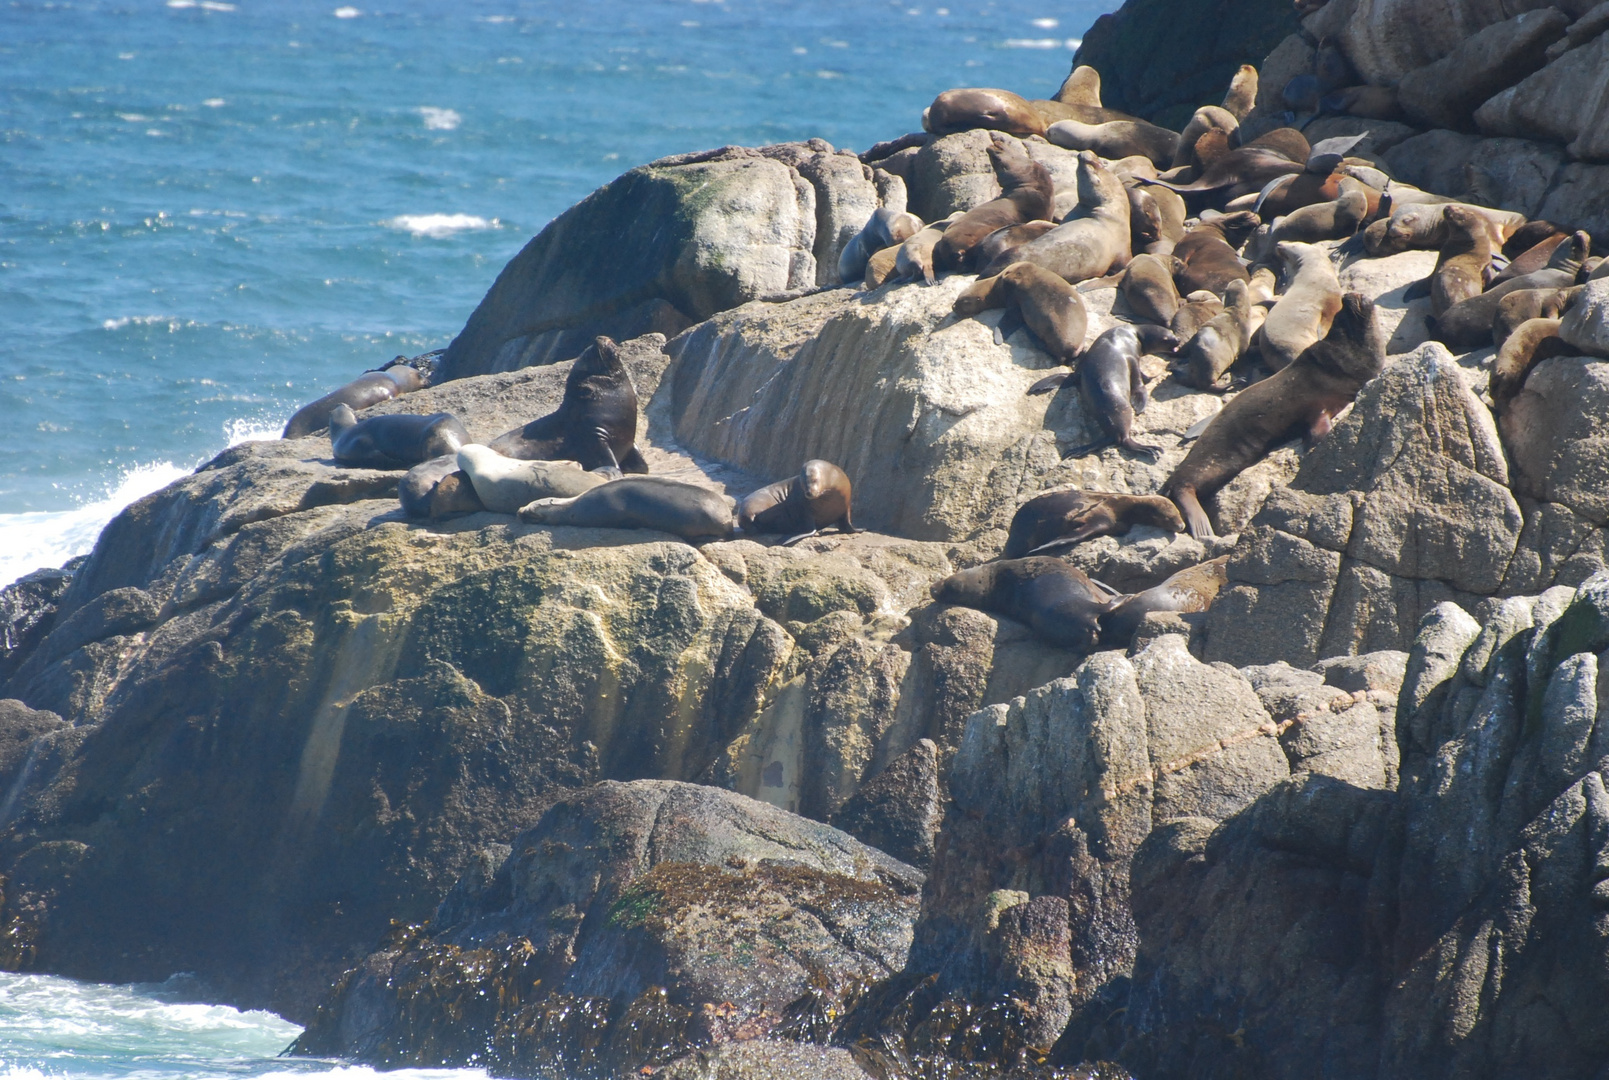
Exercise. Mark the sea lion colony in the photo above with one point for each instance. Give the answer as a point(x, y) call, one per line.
point(1223, 242)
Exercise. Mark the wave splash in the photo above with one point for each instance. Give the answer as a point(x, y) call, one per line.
point(440, 226)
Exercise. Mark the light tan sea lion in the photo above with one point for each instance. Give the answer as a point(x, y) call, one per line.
point(915, 258)
point(1116, 139)
point(1094, 240)
point(503, 485)
point(1147, 287)
point(1242, 95)
point(881, 266)
point(996, 110)
point(1336, 219)
point(1532, 342)
point(1461, 265)
point(1527, 304)
point(1192, 589)
point(887, 227)
point(1196, 310)
point(1303, 313)
point(1205, 360)
point(1050, 307)
point(1207, 118)
point(1082, 87)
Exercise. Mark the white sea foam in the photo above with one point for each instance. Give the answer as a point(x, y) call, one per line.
point(346, 13)
point(1047, 24)
point(1033, 43)
point(438, 226)
point(439, 119)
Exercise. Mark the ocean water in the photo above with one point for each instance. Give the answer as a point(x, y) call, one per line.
point(211, 212)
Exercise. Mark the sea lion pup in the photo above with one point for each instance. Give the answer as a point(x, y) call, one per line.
point(1062, 519)
point(1205, 360)
point(1302, 398)
point(1208, 252)
point(1205, 119)
point(1026, 194)
point(370, 388)
point(438, 488)
point(915, 258)
point(1050, 308)
point(397, 441)
point(887, 227)
point(595, 424)
point(1094, 239)
point(1303, 313)
point(1468, 324)
point(640, 502)
point(1527, 304)
point(1054, 598)
point(1196, 310)
point(1148, 289)
point(1116, 139)
point(1114, 385)
point(1461, 265)
point(800, 506)
point(998, 250)
point(997, 110)
point(1082, 87)
point(503, 485)
point(1334, 220)
point(1532, 342)
point(1190, 590)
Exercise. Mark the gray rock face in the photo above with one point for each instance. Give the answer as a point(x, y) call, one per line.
point(899, 809)
point(1563, 102)
point(640, 920)
point(1446, 92)
point(1586, 325)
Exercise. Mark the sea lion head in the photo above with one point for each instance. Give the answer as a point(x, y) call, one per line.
point(1156, 339)
point(1158, 512)
point(817, 477)
point(965, 586)
point(1464, 219)
point(1098, 186)
point(1356, 326)
point(1572, 253)
point(341, 418)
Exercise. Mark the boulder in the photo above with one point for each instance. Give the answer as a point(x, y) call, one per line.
point(1580, 197)
point(899, 809)
point(1555, 435)
point(1586, 325)
point(1563, 102)
point(1387, 39)
point(637, 921)
point(1446, 92)
point(27, 610)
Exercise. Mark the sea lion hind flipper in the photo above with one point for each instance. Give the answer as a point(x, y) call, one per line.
point(1194, 430)
point(1090, 448)
point(1195, 517)
point(792, 540)
point(1050, 382)
point(1011, 321)
point(633, 462)
point(1143, 449)
point(1418, 290)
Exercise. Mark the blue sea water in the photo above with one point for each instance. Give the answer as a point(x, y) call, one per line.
point(213, 211)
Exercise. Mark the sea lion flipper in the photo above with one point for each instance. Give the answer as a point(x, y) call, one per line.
point(792, 540)
point(1194, 430)
point(1144, 449)
point(1050, 382)
point(1010, 322)
point(1418, 290)
point(1089, 448)
point(633, 462)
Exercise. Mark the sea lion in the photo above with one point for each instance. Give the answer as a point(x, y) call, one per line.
point(1116, 139)
point(1063, 519)
point(887, 227)
point(1026, 194)
point(1468, 324)
point(1461, 265)
point(997, 110)
point(639, 502)
point(1094, 240)
point(1303, 397)
point(1054, 598)
point(1196, 310)
point(1050, 308)
point(396, 441)
point(998, 250)
point(595, 424)
point(1205, 119)
point(1527, 304)
point(503, 485)
point(438, 488)
point(1145, 217)
point(883, 265)
point(1532, 342)
point(915, 258)
point(370, 388)
point(1082, 87)
point(1241, 97)
point(1303, 313)
point(1208, 252)
point(800, 506)
point(1114, 386)
point(1420, 225)
point(1529, 259)
point(1147, 287)
point(1189, 590)
point(1529, 235)
point(1262, 285)
point(1204, 361)
point(1334, 220)
point(1239, 172)
point(1368, 102)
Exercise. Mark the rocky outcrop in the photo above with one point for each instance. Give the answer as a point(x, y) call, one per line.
point(630, 924)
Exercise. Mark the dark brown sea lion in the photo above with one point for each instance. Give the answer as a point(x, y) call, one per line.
point(800, 506)
point(370, 388)
point(1094, 239)
point(1461, 265)
point(1239, 172)
point(1116, 139)
point(1527, 304)
point(1063, 519)
point(396, 441)
point(1026, 194)
point(1208, 252)
point(1196, 310)
point(640, 502)
point(1114, 386)
point(1148, 288)
point(1052, 309)
point(1468, 324)
point(997, 110)
point(595, 424)
point(1529, 235)
point(1204, 361)
point(998, 250)
point(1531, 259)
point(1532, 342)
point(1335, 219)
point(438, 488)
point(1190, 590)
point(1302, 399)
point(1054, 598)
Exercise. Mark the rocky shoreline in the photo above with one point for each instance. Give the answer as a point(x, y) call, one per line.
point(597, 802)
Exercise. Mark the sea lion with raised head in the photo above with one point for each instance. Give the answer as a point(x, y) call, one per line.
point(1082, 87)
point(1116, 139)
point(370, 388)
point(1062, 519)
point(394, 441)
point(1094, 239)
point(1468, 324)
point(1463, 260)
point(1190, 590)
point(1530, 259)
point(998, 250)
point(1241, 97)
point(1204, 361)
point(800, 506)
point(503, 484)
point(1025, 195)
point(1532, 342)
point(1208, 252)
point(1207, 118)
point(1052, 597)
point(1052, 309)
point(1303, 312)
point(438, 488)
point(596, 423)
point(1303, 398)
point(1148, 289)
point(1527, 304)
point(640, 502)
point(969, 108)
point(887, 227)
point(1114, 385)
